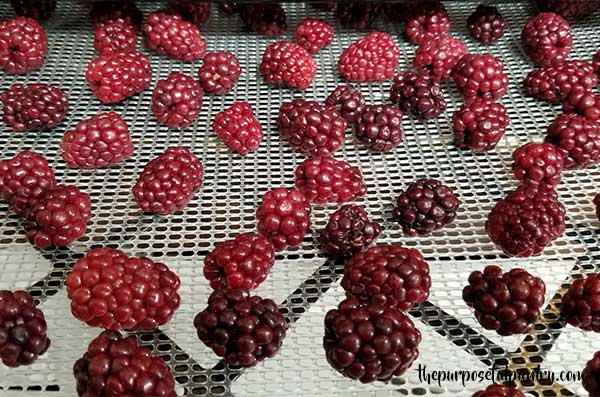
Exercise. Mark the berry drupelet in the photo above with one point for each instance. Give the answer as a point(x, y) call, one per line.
point(547, 38)
point(554, 83)
point(33, 107)
point(219, 72)
point(436, 58)
point(176, 100)
point(114, 36)
point(577, 139)
point(427, 21)
point(238, 128)
point(356, 14)
point(580, 304)
point(194, 11)
point(167, 34)
point(23, 45)
point(499, 391)
point(348, 232)
point(314, 34)
point(287, 64)
point(371, 58)
point(268, 19)
point(35, 9)
point(486, 24)
point(480, 76)
point(538, 163)
point(418, 95)
point(479, 125)
point(348, 101)
point(379, 127)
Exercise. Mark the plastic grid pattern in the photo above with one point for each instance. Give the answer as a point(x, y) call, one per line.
point(303, 280)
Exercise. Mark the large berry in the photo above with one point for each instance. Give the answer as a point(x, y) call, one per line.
point(426, 21)
point(35, 9)
point(283, 217)
point(508, 303)
point(114, 36)
point(314, 34)
point(526, 220)
point(107, 10)
point(369, 342)
point(97, 142)
point(486, 24)
point(586, 104)
point(569, 8)
point(372, 58)
point(311, 128)
point(169, 35)
point(287, 64)
point(168, 183)
point(110, 290)
point(538, 163)
point(547, 38)
point(591, 375)
point(579, 306)
point(219, 72)
point(418, 94)
point(239, 128)
point(33, 106)
point(24, 180)
point(577, 138)
point(58, 218)
point(23, 45)
point(114, 365)
point(243, 262)
point(379, 127)
point(356, 14)
point(437, 57)
point(348, 101)
point(194, 11)
point(348, 232)
point(557, 81)
point(176, 100)
point(268, 19)
point(480, 76)
point(479, 125)
point(499, 391)
point(115, 77)
point(242, 329)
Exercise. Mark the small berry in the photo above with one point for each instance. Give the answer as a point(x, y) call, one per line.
point(348, 232)
point(114, 36)
point(577, 138)
point(33, 107)
point(427, 21)
point(287, 64)
point(34, 9)
point(436, 58)
point(196, 12)
point(591, 375)
point(418, 94)
point(538, 163)
point(480, 76)
point(23, 45)
point(379, 127)
point(176, 100)
point(348, 101)
point(499, 391)
point(167, 34)
point(356, 14)
point(486, 24)
point(479, 125)
point(268, 19)
point(547, 38)
point(239, 128)
point(371, 58)
point(219, 72)
point(314, 34)
point(579, 305)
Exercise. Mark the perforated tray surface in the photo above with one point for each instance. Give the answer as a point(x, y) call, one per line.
point(303, 281)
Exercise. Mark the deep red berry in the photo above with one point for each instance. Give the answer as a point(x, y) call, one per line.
point(314, 34)
point(110, 290)
point(356, 14)
point(348, 101)
point(114, 36)
point(126, 10)
point(23, 45)
point(324, 6)
point(526, 220)
point(268, 19)
point(194, 11)
point(538, 162)
point(556, 82)
point(58, 218)
point(438, 56)
point(547, 38)
point(116, 365)
point(289, 65)
point(242, 329)
point(479, 125)
point(239, 128)
point(176, 100)
point(486, 24)
point(97, 142)
point(169, 35)
point(283, 217)
point(577, 138)
point(586, 104)
point(33, 107)
point(591, 375)
point(427, 21)
point(371, 342)
point(115, 77)
point(480, 76)
point(379, 127)
point(348, 232)
point(219, 72)
point(243, 262)
point(569, 8)
point(229, 7)
point(579, 306)
point(418, 94)
point(22, 329)
point(168, 183)
point(596, 63)
point(35, 9)
point(372, 58)
point(499, 391)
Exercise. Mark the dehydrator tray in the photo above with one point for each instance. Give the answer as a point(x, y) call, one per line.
point(303, 281)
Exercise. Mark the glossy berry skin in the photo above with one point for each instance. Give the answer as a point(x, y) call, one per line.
point(35, 9)
point(167, 34)
point(499, 391)
point(314, 34)
point(116, 365)
point(370, 342)
point(547, 38)
point(372, 58)
point(527, 220)
point(126, 10)
point(23, 45)
point(356, 14)
point(219, 72)
point(115, 36)
point(116, 77)
point(168, 183)
point(98, 142)
point(107, 289)
point(283, 217)
point(427, 21)
point(33, 107)
point(436, 58)
point(480, 76)
point(479, 125)
point(243, 262)
point(538, 163)
point(22, 329)
point(577, 138)
point(24, 180)
point(267, 19)
point(348, 101)
point(348, 232)
point(58, 218)
point(311, 128)
point(554, 83)
point(586, 104)
point(240, 328)
point(591, 375)
point(238, 128)
point(569, 8)
point(486, 24)
point(176, 100)
point(418, 95)
point(425, 206)
point(388, 275)
point(194, 11)
point(379, 127)
point(579, 306)
point(286, 64)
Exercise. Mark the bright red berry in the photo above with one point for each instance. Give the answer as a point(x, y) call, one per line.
point(114, 36)
point(372, 58)
point(480, 76)
point(577, 138)
point(586, 104)
point(438, 56)
point(314, 34)
point(289, 65)
point(176, 100)
point(538, 163)
point(479, 125)
point(219, 72)
point(547, 38)
point(167, 34)
point(23, 45)
point(239, 128)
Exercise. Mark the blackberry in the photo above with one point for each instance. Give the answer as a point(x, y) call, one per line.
point(268, 19)
point(379, 127)
point(348, 101)
point(426, 21)
point(577, 138)
point(547, 38)
point(479, 125)
point(35, 9)
point(579, 306)
point(538, 163)
point(176, 100)
point(486, 24)
point(480, 76)
point(34, 106)
point(348, 232)
point(418, 94)
point(23, 45)
point(437, 57)
point(356, 14)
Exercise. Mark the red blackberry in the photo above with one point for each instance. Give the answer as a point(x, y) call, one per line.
point(106, 10)
point(371, 342)
point(499, 391)
point(486, 24)
point(238, 128)
point(58, 218)
point(314, 34)
point(243, 262)
point(577, 138)
point(97, 142)
point(242, 329)
point(372, 58)
point(283, 217)
point(348, 101)
point(23, 45)
point(117, 365)
point(480, 76)
point(219, 72)
point(24, 180)
point(569, 8)
point(115, 77)
point(419, 95)
point(348, 232)
point(268, 19)
point(176, 100)
point(596, 63)
point(35, 9)
point(323, 179)
point(526, 220)
point(426, 205)
point(591, 375)
point(586, 104)
point(547, 38)
point(110, 290)
point(114, 36)
point(289, 65)
point(33, 107)
point(379, 127)
point(538, 163)
point(437, 57)
point(196, 12)
point(427, 21)
point(169, 35)
point(356, 14)
point(479, 125)
point(580, 304)
point(311, 128)
point(554, 83)
point(168, 183)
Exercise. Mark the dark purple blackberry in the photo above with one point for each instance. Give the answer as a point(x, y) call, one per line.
point(591, 375)
point(34, 106)
point(486, 24)
point(356, 14)
point(196, 12)
point(348, 231)
point(379, 127)
point(36, 9)
point(268, 19)
point(348, 101)
point(418, 94)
